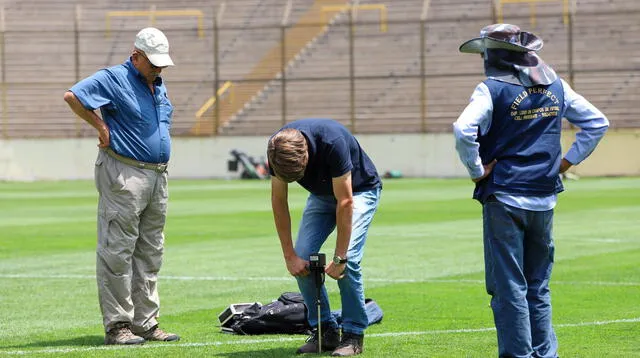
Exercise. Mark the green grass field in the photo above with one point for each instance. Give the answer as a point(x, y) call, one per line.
point(423, 265)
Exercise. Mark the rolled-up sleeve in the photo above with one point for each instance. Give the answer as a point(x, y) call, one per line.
point(93, 91)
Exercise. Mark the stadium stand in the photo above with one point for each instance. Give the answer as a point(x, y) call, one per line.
point(44, 53)
point(393, 104)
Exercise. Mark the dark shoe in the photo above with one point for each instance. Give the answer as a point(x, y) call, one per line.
point(156, 334)
point(350, 345)
point(121, 334)
point(330, 340)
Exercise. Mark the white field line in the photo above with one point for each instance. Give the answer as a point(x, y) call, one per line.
point(291, 339)
point(286, 279)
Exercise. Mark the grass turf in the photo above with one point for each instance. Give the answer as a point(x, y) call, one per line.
point(423, 264)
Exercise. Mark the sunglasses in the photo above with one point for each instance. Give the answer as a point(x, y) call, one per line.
point(151, 64)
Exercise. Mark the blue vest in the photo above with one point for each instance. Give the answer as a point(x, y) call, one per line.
point(524, 137)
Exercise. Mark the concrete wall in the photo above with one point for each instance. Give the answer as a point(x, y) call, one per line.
point(616, 155)
point(415, 155)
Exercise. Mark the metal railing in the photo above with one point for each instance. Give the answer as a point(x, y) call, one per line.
point(353, 9)
point(152, 14)
point(226, 89)
point(532, 9)
point(212, 73)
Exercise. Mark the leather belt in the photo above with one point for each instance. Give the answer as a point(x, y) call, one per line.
point(157, 167)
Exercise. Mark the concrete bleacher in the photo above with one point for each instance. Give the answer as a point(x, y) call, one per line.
point(40, 61)
point(387, 101)
point(384, 63)
point(614, 93)
point(41, 65)
point(302, 29)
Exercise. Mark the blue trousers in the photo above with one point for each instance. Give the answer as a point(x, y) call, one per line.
point(318, 221)
point(518, 253)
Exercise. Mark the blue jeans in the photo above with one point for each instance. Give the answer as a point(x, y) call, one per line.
point(318, 221)
point(518, 253)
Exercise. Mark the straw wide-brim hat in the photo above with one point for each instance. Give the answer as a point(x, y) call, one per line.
point(503, 36)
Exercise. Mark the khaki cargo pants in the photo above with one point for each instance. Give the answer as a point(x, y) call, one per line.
point(132, 210)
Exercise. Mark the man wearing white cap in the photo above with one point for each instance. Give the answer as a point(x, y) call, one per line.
point(508, 137)
point(131, 179)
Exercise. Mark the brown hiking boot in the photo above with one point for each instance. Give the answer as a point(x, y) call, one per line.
point(330, 340)
point(121, 334)
point(350, 345)
point(156, 334)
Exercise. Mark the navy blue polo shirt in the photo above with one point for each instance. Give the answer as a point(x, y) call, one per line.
point(138, 120)
point(334, 151)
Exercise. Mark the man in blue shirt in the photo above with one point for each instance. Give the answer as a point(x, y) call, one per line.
point(131, 178)
point(508, 138)
point(326, 160)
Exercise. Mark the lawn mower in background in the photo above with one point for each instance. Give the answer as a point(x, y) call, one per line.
point(249, 167)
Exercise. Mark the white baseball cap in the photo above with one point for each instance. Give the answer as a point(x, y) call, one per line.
point(155, 45)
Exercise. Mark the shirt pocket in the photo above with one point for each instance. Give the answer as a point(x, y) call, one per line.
point(165, 109)
point(109, 110)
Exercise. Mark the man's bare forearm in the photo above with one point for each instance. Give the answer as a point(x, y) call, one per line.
point(88, 115)
point(344, 217)
point(282, 220)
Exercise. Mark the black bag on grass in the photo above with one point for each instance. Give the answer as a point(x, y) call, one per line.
point(285, 315)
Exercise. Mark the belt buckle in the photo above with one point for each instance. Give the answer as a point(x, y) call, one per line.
point(161, 168)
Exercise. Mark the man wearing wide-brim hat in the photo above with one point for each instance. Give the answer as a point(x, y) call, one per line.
point(508, 138)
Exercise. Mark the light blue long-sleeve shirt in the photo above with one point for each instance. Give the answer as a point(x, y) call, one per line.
point(478, 114)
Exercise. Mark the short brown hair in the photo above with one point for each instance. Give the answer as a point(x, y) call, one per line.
point(288, 155)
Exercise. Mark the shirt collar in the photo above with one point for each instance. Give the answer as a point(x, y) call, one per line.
point(131, 67)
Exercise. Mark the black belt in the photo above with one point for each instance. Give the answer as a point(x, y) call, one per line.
point(157, 167)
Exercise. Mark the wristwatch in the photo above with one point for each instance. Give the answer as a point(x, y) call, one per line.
point(339, 260)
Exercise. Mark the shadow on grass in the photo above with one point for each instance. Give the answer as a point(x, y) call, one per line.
point(264, 353)
point(74, 341)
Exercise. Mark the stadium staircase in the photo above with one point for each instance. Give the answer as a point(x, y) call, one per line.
point(40, 64)
point(296, 38)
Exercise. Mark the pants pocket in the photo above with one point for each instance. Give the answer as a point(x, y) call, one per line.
point(106, 220)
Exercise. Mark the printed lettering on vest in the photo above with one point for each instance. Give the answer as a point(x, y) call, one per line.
point(534, 113)
point(518, 100)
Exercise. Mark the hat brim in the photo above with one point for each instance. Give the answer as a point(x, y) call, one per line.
point(160, 60)
point(479, 44)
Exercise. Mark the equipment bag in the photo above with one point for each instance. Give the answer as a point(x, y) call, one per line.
point(286, 315)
